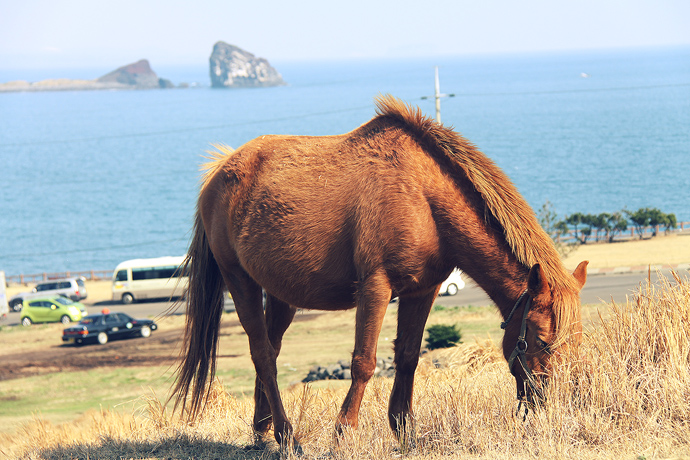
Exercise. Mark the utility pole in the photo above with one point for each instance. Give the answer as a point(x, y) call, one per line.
point(438, 95)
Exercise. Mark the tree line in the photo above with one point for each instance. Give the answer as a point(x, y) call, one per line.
point(605, 225)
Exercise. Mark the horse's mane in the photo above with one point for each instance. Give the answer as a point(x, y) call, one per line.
point(528, 241)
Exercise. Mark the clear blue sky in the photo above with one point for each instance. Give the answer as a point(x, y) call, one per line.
point(96, 33)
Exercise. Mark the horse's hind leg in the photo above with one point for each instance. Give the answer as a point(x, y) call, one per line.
point(248, 304)
point(412, 315)
point(279, 315)
point(373, 296)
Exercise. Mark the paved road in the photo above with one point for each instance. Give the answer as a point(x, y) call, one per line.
point(597, 288)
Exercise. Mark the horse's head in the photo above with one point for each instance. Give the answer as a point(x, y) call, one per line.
point(550, 325)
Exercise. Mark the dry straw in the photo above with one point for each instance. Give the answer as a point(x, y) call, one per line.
point(627, 395)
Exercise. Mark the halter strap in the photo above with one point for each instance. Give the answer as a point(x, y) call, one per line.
point(519, 353)
point(504, 324)
point(521, 345)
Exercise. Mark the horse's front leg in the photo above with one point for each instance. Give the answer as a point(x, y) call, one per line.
point(412, 315)
point(279, 315)
point(373, 296)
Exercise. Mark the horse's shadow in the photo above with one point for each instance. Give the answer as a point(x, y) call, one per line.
point(179, 447)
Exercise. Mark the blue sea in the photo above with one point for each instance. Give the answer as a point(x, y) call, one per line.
point(89, 179)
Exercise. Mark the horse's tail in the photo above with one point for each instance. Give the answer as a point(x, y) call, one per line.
point(204, 311)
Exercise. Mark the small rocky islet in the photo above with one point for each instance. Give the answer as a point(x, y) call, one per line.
point(230, 67)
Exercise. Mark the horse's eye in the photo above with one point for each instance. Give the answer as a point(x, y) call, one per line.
point(543, 345)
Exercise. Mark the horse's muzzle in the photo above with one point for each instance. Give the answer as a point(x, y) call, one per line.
point(530, 393)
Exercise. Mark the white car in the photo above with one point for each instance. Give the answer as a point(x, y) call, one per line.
point(73, 288)
point(452, 284)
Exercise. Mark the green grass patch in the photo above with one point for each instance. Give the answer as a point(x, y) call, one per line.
point(63, 396)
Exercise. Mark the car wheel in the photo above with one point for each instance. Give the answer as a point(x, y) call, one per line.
point(65, 319)
point(145, 331)
point(26, 321)
point(452, 289)
point(102, 338)
point(17, 305)
point(127, 298)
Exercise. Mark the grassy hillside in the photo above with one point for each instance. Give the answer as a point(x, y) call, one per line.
point(626, 396)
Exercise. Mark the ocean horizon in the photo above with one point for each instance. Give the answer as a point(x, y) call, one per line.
point(92, 178)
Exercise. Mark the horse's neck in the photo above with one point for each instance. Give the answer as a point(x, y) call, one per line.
point(500, 276)
point(482, 253)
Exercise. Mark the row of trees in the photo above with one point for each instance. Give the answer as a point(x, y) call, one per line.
point(605, 225)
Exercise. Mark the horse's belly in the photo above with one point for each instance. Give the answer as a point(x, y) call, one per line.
point(307, 263)
point(314, 295)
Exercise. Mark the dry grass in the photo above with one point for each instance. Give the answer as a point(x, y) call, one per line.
point(627, 395)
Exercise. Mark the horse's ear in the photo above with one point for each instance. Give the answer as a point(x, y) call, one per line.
point(580, 273)
point(536, 281)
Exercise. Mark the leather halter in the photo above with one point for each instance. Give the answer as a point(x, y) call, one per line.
point(519, 352)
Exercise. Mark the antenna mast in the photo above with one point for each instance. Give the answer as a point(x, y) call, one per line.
point(438, 95)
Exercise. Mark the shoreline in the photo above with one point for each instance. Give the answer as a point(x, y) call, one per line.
point(22, 86)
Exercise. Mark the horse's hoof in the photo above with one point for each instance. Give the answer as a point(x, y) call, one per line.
point(407, 446)
point(294, 447)
point(254, 448)
point(407, 438)
point(259, 444)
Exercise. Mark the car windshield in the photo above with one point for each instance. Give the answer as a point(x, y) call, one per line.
point(64, 300)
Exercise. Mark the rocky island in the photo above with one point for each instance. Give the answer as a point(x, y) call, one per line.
point(233, 67)
point(230, 67)
point(138, 75)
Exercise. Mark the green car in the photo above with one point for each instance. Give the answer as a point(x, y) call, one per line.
point(51, 309)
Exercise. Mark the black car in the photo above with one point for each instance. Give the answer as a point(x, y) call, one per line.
point(106, 326)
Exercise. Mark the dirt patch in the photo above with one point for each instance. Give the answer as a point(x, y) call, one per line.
point(159, 348)
point(162, 347)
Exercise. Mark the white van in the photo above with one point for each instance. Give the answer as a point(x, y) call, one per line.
point(139, 279)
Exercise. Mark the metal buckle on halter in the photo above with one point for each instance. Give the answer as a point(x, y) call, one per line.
point(521, 346)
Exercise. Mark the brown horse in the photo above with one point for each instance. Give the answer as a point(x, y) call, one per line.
point(351, 221)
